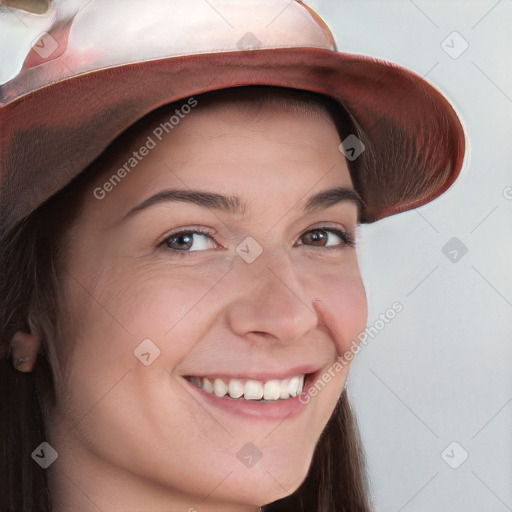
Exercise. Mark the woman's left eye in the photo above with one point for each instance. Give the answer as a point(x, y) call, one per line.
point(320, 237)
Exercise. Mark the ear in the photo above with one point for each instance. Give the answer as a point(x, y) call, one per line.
point(24, 349)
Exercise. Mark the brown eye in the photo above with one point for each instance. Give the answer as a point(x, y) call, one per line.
point(320, 237)
point(316, 237)
point(183, 241)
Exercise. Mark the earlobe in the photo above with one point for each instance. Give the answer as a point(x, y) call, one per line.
point(24, 349)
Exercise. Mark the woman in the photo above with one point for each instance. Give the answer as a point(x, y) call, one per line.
point(178, 251)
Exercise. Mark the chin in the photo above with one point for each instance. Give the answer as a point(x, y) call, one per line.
point(264, 485)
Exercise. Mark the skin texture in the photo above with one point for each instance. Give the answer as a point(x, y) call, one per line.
point(134, 437)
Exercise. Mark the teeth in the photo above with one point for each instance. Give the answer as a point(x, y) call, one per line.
point(219, 387)
point(293, 386)
point(283, 394)
point(235, 388)
point(253, 390)
point(273, 389)
point(207, 385)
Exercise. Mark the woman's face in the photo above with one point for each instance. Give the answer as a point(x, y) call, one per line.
point(259, 296)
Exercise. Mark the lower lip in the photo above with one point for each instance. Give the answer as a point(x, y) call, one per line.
point(274, 409)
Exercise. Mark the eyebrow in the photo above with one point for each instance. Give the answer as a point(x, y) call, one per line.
point(232, 204)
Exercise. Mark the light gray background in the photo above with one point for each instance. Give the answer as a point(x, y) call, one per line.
point(441, 370)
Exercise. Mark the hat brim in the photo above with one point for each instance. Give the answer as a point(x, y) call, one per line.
point(416, 140)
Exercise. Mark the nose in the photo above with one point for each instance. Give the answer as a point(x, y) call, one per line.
point(272, 302)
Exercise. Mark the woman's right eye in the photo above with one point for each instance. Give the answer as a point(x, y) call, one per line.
point(191, 240)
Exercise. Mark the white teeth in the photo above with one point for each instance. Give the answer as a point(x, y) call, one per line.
point(253, 390)
point(273, 389)
point(207, 385)
point(219, 387)
point(284, 394)
point(293, 386)
point(235, 388)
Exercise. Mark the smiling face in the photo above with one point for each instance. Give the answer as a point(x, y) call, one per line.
point(168, 290)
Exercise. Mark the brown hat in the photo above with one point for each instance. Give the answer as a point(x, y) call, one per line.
point(101, 68)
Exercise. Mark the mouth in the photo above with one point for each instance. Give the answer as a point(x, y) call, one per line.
point(270, 399)
point(249, 389)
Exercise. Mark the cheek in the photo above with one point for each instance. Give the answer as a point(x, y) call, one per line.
point(341, 304)
point(125, 314)
point(350, 309)
point(110, 315)
point(141, 301)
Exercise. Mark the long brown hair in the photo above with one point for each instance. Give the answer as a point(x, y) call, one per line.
point(31, 259)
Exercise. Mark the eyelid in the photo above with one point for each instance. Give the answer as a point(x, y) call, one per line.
point(192, 229)
point(328, 225)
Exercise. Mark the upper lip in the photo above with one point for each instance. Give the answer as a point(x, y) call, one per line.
point(260, 375)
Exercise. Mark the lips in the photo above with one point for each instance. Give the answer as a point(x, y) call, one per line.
point(251, 403)
point(251, 389)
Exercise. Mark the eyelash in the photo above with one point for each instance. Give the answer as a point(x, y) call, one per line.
point(346, 237)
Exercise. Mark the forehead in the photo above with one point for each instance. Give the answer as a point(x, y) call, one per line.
point(268, 155)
